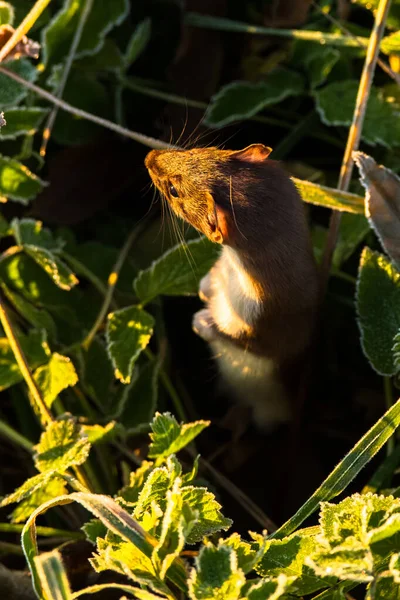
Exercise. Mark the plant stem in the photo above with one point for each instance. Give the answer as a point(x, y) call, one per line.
point(78, 112)
point(112, 282)
point(320, 37)
point(354, 136)
point(169, 386)
point(23, 366)
point(83, 270)
point(43, 531)
point(15, 437)
point(389, 400)
point(67, 67)
point(24, 27)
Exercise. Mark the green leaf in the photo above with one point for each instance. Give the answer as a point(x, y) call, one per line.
point(270, 589)
point(393, 18)
point(54, 377)
point(94, 529)
point(128, 332)
point(6, 13)
point(177, 272)
point(154, 492)
point(11, 92)
point(288, 557)
point(29, 487)
point(139, 401)
point(216, 576)
point(176, 526)
point(61, 446)
point(353, 229)
point(117, 521)
point(344, 563)
point(98, 376)
point(36, 350)
point(248, 554)
point(37, 317)
point(52, 576)
point(22, 121)
point(391, 44)
point(384, 588)
point(315, 60)
point(169, 436)
point(100, 433)
point(320, 195)
point(57, 36)
point(130, 493)
point(210, 519)
point(17, 182)
point(137, 43)
point(241, 100)
point(50, 488)
point(335, 104)
point(381, 202)
point(347, 469)
point(108, 58)
point(4, 227)
point(378, 307)
point(58, 271)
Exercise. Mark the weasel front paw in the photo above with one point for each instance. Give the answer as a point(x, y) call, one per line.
point(203, 324)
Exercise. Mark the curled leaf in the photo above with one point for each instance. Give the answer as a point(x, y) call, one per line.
point(382, 202)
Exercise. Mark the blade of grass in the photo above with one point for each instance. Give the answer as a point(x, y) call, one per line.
point(320, 37)
point(347, 469)
point(43, 531)
point(15, 437)
point(24, 27)
point(53, 577)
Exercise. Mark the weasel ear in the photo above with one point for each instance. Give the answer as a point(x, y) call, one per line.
point(255, 153)
point(217, 221)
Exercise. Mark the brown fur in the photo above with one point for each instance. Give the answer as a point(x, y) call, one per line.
point(262, 293)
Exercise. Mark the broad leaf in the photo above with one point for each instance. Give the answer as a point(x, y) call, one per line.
point(241, 100)
point(29, 232)
point(391, 44)
point(61, 446)
point(22, 121)
point(17, 182)
point(248, 553)
point(57, 36)
point(344, 563)
point(54, 377)
point(210, 519)
point(335, 104)
point(11, 92)
point(320, 195)
point(216, 576)
point(130, 493)
point(128, 332)
point(177, 272)
point(288, 557)
point(108, 58)
point(97, 434)
point(382, 203)
point(169, 436)
point(317, 61)
point(378, 307)
point(139, 401)
point(50, 488)
point(6, 13)
point(53, 577)
point(62, 275)
point(37, 317)
point(270, 589)
point(36, 350)
point(353, 229)
point(29, 487)
point(137, 43)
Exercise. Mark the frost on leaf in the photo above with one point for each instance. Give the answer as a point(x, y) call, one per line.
point(61, 446)
point(378, 307)
point(128, 332)
point(168, 436)
point(216, 575)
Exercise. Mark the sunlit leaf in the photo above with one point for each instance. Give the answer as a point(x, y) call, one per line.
point(382, 202)
point(36, 350)
point(38, 317)
point(177, 272)
point(335, 104)
point(270, 589)
point(378, 307)
point(62, 275)
point(329, 197)
point(316, 60)
point(138, 42)
point(53, 487)
point(130, 493)
point(29, 487)
point(216, 576)
point(169, 436)
point(241, 99)
point(6, 13)
point(210, 519)
point(22, 121)
point(53, 577)
point(54, 377)
point(391, 44)
point(17, 182)
point(12, 92)
point(248, 553)
point(128, 332)
point(100, 433)
point(61, 446)
point(57, 36)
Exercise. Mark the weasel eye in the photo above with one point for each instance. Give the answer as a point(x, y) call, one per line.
point(173, 191)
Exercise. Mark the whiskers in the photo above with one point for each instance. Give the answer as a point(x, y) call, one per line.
point(233, 209)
